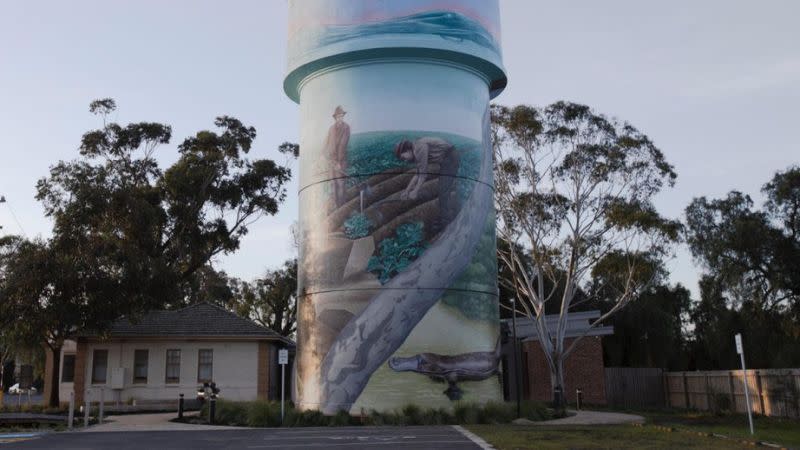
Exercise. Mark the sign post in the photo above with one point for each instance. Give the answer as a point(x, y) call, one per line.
point(283, 359)
point(740, 351)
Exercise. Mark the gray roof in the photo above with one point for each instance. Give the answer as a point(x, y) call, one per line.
point(578, 324)
point(199, 320)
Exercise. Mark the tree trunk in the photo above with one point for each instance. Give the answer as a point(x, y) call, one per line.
point(53, 401)
point(2, 385)
point(374, 335)
point(557, 383)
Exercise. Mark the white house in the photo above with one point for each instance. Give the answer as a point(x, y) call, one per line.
point(168, 353)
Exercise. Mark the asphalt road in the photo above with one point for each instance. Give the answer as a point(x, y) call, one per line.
point(443, 437)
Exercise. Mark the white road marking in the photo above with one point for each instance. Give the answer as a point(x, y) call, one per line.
point(328, 444)
point(473, 437)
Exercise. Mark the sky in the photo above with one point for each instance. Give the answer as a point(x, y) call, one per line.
point(715, 84)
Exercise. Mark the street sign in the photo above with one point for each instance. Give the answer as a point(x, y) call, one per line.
point(283, 360)
point(283, 356)
point(740, 351)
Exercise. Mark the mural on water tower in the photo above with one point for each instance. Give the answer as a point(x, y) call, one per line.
point(397, 283)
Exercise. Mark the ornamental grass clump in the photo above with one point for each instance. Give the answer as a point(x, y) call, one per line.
point(264, 414)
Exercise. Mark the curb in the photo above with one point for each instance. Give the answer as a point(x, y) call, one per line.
point(713, 435)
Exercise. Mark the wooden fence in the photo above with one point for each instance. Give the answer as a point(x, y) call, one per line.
point(773, 392)
point(635, 387)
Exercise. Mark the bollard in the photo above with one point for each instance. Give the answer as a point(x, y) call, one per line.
point(212, 406)
point(578, 398)
point(180, 407)
point(101, 406)
point(71, 416)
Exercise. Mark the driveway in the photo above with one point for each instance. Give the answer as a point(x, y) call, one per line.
point(594, 418)
point(433, 438)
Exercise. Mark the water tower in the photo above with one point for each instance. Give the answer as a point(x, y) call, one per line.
point(397, 271)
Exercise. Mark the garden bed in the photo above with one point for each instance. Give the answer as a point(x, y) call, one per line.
point(268, 414)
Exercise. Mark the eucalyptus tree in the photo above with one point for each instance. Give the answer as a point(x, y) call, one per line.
point(129, 236)
point(751, 281)
point(574, 191)
point(752, 253)
point(271, 300)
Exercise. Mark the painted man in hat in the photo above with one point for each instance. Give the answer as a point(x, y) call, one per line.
point(336, 150)
point(423, 152)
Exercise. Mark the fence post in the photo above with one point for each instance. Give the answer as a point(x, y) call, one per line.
point(760, 393)
point(709, 397)
point(687, 405)
point(732, 391)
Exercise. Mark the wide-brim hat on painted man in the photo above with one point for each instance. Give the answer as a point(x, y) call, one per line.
point(339, 111)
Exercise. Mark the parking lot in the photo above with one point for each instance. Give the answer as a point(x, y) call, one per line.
point(441, 437)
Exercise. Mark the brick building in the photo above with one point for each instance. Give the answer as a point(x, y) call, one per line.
point(584, 368)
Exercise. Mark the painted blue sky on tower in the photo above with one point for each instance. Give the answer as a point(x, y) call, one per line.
point(324, 12)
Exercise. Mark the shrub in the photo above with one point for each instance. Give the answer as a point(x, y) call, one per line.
point(534, 411)
point(495, 412)
point(412, 415)
point(309, 418)
point(264, 414)
point(268, 414)
point(440, 416)
point(467, 413)
point(343, 419)
point(386, 418)
point(357, 226)
point(228, 412)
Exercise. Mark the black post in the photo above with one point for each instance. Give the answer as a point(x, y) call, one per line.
point(212, 407)
point(517, 374)
point(180, 407)
point(578, 398)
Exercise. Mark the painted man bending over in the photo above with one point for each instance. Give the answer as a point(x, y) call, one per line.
point(423, 152)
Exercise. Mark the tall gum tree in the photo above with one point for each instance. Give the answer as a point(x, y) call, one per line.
point(129, 236)
point(573, 191)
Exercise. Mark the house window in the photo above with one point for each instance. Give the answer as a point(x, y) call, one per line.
point(99, 366)
point(205, 364)
point(68, 369)
point(173, 366)
point(140, 366)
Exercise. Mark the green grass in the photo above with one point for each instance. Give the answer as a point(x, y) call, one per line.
point(617, 436)
point(771, 429)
